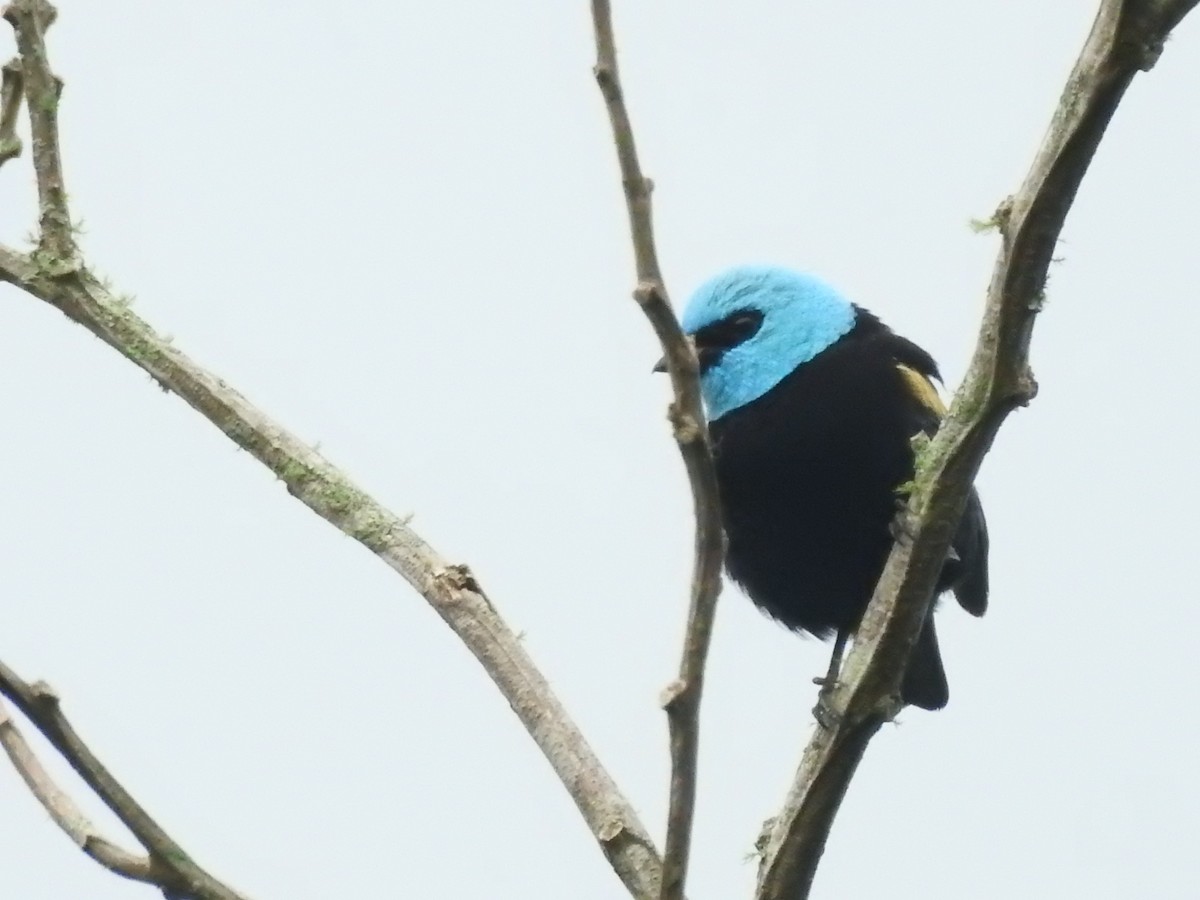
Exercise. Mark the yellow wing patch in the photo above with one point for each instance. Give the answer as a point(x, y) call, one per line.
point(923, 389)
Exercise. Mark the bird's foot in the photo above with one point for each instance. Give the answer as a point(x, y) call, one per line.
point(901, 526)
point(824, 713)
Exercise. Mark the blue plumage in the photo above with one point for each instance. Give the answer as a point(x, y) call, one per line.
point(802, 316)
point(813, 403)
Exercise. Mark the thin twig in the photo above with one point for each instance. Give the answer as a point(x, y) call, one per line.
point(681, 699)
point(12, 93)
point(1126, 38)
point(171, 866)
point(57, 275)
point(30, 19)
point(64, 812)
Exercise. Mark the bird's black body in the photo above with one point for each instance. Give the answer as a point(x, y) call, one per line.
point(809, 473)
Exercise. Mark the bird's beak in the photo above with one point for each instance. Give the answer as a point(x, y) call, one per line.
point(661, 365)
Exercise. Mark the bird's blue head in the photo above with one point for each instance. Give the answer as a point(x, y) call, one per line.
point(753, 325)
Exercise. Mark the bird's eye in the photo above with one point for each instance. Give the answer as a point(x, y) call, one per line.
point(745, 324)
point(714, 340)
point(735, 329)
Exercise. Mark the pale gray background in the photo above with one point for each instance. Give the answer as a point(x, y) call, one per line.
point(398, 228)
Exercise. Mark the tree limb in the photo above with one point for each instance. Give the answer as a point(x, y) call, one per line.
point(681, 698)
point(450, 589)
point(55, 274)
point(168, 865)
point(64, 812)
point(1126, 38)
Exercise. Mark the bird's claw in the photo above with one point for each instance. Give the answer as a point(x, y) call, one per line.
point(824, 713)
point(901, 526)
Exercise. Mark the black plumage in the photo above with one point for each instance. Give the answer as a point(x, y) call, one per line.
point(809, 473)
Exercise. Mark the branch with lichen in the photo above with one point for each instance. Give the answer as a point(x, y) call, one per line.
point(1127, 37)
point(681, 698)
point(56, 273)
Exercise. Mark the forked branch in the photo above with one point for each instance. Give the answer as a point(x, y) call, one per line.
point(681, 698)
point(1126, 38)
point(63, 810)
point(166, 864)
point(56, 274)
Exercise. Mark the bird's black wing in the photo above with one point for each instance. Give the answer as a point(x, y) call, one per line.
point(920, 372)
point(968, 574)
point(971, 544)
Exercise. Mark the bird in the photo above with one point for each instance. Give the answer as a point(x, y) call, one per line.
point(812, 404)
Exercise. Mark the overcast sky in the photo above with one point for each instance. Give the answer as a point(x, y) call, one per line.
point(398, 228)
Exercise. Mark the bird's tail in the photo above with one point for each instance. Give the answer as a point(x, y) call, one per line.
point(924, 683)
point(970, 583)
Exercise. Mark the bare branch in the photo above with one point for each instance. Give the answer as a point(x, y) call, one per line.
point(1126, 38)
point(57, 275)
point(171, 867)
point(450, 589)
point(681, 699)
point(64, 812)
point(30, 19)
point(12, 92)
